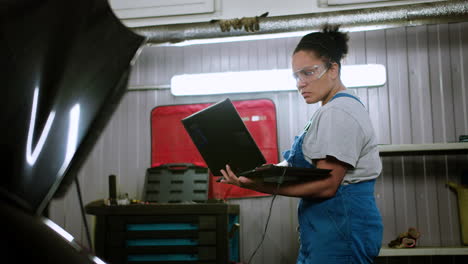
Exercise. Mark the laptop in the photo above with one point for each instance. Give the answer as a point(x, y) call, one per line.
point(221, 138)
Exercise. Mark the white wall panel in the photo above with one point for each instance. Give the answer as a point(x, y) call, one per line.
point(397, 67)
point(441, 83)
point(419, 83)
point(459, 67)
point(378, 106)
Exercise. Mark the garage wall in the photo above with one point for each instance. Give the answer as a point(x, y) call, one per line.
point(424, 101)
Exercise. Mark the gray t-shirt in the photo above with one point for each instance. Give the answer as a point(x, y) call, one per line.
point(342, 129)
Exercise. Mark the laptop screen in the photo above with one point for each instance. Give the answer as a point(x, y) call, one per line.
point(222, 138)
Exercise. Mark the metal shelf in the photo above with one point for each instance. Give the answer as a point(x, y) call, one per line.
point(423, 251)
point(423, 149)
point(435, 148)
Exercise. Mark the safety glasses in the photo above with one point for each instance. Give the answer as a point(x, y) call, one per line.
point(310, 73)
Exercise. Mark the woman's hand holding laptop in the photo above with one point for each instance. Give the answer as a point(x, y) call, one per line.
point(229, 177)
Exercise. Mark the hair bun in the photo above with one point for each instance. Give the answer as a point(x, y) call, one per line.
point(339, 38)
point(330, 43)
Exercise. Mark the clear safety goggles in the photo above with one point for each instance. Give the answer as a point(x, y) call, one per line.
point(310, 73)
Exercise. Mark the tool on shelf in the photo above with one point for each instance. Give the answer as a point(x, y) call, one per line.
point(462, 193)
point(406, 239)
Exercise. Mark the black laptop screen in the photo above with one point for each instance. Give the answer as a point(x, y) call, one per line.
point(222, 138)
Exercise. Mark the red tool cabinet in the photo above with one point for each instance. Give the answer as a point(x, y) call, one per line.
point(170, 143)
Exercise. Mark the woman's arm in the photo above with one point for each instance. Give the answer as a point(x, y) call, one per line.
point(324, 188)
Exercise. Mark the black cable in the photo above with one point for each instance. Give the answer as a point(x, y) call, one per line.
point(264, 232)
point(83, 215)
point(280, 181)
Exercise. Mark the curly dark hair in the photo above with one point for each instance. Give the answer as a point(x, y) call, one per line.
point(329, 44)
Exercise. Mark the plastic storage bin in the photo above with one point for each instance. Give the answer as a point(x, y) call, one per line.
point(176, 183)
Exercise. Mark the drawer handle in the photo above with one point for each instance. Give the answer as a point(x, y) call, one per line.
point(161, 242)
point(162, 257)
point(156, 227)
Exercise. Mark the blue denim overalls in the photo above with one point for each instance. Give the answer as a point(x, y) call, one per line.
point(344, 229)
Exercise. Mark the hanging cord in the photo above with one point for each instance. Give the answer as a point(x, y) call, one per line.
point(83, 215)
point(280, 181)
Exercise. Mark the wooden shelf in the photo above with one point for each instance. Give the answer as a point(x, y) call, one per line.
point(423, 251)
point(436, 148)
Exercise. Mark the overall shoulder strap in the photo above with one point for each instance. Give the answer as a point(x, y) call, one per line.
point(338, 95)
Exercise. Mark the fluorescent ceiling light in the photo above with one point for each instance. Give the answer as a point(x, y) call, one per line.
point(259, 37)
point(236, 38)
point(353, 76)
point(365, 75)
point(232, 82)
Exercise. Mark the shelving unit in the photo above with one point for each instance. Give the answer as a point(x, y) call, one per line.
point(424, 149)
point(435, 148)
point(423, 251)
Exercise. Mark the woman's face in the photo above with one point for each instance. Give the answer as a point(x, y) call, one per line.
point(313, 79)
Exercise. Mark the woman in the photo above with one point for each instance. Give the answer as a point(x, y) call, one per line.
point(338, 219)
